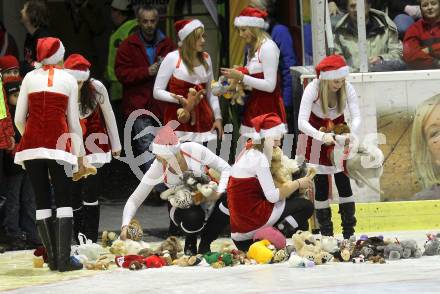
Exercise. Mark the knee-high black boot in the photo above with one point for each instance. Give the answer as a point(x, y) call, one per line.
point(324, 217)
point(63, 241)
point(91, 222)
point(47, 234)
point(190, 247)
point(348, 219)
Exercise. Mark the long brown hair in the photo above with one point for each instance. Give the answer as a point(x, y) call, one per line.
point(188, 47)
point(89, 97)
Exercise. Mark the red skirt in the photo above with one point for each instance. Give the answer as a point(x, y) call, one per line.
point(201, 131)
point(248, 207)
point(261, 102)
point(96, 141)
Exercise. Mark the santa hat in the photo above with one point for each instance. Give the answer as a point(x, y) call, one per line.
point(8, 62)
point(78, 66)
point(49, 50)
point(185, 27)
point(332, 67)
point(165, 142)
point(251, 17)
point(269, 125)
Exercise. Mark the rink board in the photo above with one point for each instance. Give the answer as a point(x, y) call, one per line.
point(393, 216)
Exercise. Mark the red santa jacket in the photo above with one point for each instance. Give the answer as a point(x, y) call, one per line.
point(131, 68)
point(6, 126)
point(419, 36)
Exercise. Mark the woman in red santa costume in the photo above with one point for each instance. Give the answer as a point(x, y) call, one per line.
point(323, 105)
point(253, 200)
point(46, 112)
point(100, 134)
point(185, 68)
point(260, 72)
point(172, 160)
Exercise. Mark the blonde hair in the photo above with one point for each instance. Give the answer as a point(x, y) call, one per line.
point(427, 173)
point(188, 48)
point(260, 36)
point(323, 97)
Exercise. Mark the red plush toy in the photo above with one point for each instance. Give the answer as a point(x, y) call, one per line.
point(41, 251)
point(154, 261)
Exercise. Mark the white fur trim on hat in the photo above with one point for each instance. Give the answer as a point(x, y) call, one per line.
point(275, 131)
point(79, 75)
point(57, 57)
point(250, 21)
point(159, 149)
point(189, 28)
point(335, 74)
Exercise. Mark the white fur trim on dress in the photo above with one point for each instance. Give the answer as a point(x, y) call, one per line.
point(274, 217)
point(196, 137)
point(79, 75)
point(57, 57)
point(335, 74)
point(46, 153)
point(250, 21)
point(99, 158)
point(159, 149)
point(275, 131)
point(189, 28)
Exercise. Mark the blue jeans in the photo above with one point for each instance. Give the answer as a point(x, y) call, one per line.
point(20, 207)
point(403, 22)
point(143, 143)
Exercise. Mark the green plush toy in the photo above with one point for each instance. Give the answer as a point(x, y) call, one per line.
point(214, 257)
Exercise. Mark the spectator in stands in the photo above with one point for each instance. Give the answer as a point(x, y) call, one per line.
point(8, 46)
point(421, 45)
point(383, 46)
point(404, 13)
point(426, 137)
point(19, 221)
point(337, 9)
point(9, 66)
point(281, 36)
point(35, 18)
point(137, 62)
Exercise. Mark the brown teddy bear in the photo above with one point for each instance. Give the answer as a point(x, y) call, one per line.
point(187, 113)
point(172, 245)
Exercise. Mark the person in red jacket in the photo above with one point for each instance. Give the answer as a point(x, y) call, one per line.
point(137, 62)
point(421, 45)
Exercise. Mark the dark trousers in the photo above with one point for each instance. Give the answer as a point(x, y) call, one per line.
point(142, 144)
point(20, 207)
point(38, 171)
point(322, 186)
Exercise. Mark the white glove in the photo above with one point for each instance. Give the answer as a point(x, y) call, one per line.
point(413, 11)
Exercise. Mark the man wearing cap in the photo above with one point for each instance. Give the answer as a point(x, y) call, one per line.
point(137, 62)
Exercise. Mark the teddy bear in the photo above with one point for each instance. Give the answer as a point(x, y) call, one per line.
point(393, 251)
point(171, 245)
point(108, 238)
point(187, 113)
point(432, 245)
point(230, 89)
point(410, 249)
point(102, 263)
point(127, 247)
point(306, 246)
point(188, 260)
point(179, 196)
point(84, 171)
point(204, 191)
point(369, 246)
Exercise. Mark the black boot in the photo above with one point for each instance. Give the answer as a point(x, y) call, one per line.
point(348, 219)
point(63, 241)
point(78, 223)
point(91, 222)
point(324, 217)
point(47, 234)
point(190, 248)
point(286, 229)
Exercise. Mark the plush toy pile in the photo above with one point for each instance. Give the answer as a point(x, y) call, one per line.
point(194, 190)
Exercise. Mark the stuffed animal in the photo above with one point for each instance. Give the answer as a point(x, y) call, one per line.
point(204, 191)
point(187, 113)
point(282, 167)
point(280, 256)
point(84, 171)
point(188, 260)
point(260, 252)
point(410, 249)
point(393, 251)
point(230, 89)
point(369, 246)
point(306, 246)
point(219, 260)
point(171, 245)
point(102, 263)
point(135, 232)
point(432, 246)
point(127, 247)
point(108, 238)
point(178, 196)
point(338, 129)
point(297, 261)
